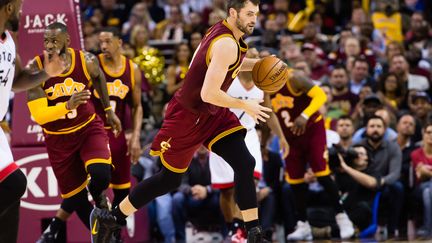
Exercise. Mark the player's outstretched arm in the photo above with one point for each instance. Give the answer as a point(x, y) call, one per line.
point(222, 54)
point(99, 83)
point(26, 78)
point(137, 115)
point(248, 64)
point(274, 125)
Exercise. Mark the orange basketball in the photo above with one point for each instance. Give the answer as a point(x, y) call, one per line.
point(270, 74)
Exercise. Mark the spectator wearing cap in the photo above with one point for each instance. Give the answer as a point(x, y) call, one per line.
point(343, 99)
point(360, 75)
point(421, 106)
point(389, 135)
point(313, 56)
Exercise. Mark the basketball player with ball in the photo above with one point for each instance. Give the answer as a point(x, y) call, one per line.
point(296, 106)
point(199, 114)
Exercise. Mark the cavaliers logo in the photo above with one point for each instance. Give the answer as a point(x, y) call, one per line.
point(116, 88)
point(281, 101)
point(165, 145)
point(67, 88)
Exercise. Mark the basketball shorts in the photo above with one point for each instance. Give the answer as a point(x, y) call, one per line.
point(7, 163)
point(70, 154)
point(222, 175)
point(307, 149)
point(120, 176)
point(183, 131)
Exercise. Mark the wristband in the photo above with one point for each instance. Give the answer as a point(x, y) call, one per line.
point(304, 116)
point(108, 108)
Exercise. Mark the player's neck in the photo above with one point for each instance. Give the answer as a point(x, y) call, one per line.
point(114, 61)
point(2, 24)
point(237, 33)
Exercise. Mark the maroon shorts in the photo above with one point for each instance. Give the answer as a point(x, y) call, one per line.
point(71, 153)
point(309, 148)
point(184, 131)
point(120, 177)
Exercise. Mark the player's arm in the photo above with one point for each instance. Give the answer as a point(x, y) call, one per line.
point(248, 64)
point(99, 82)
point(274, 125)
point(26, 78)
point(223, 54)
point(137, 116)
point(37, 103)
point(302, 83)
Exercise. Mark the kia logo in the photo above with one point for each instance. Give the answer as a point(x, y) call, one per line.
point(42, 187)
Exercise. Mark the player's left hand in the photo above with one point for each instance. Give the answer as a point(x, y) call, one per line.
point(134, 149)
point(199, 192)
point(299, 126)
point(284, 146)
point(54, 65)
point(114, 122)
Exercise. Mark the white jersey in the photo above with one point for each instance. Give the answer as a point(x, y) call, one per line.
point(7, 71)
point(237, 90)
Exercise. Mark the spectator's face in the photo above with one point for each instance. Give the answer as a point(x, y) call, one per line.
point(246, 18)
point(417, 21)
point(344, 35)
point(399, 65)
point(109, 44)
point(362, 159)
point(384, 114)
point(360, 70)
point(406, 125)
point(345, 128)
point(55, 41)
point(281, 21)
point(176, 15)
point(339, 79)
point(292, 52)
point(310, 56)
point(328, 93)
point(271, 25)
point(358, 16)
point(421, 107)
point(141, 37)
point(392, 50)
point(310, 31)
point(390, 84)
point(371, 107)
point(364, 92)
point(14, 14)
point(183, 53)
point(427, 135)
point(375, 130)
point(195, 40)
point(352, 47)
point(281, 5)
point(108, 4)
point(195, 19)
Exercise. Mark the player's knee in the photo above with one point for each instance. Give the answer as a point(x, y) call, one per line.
point(249, 164)
point(20, 183)
point(100, 174)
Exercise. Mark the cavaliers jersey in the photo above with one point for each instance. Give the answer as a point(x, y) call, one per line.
point(7, 71)
point(59, 89)
point(237, 90)
point(190, 93)
point(288, 105)
point(119, 86)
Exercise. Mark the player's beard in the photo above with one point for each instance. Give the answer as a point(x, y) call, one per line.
point(243, 28)
point(13, 24)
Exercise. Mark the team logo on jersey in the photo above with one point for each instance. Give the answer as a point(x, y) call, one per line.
point(281, 101)
point(116, 88)
point(67, 88)
point(165, 145)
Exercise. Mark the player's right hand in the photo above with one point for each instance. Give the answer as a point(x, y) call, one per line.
point(255, 110)
point(78, 99)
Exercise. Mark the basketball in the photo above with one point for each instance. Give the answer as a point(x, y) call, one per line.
point(270, 74)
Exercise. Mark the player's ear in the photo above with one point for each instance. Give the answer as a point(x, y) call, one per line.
point(233, 12)
point(10, 8)
point(120, 41)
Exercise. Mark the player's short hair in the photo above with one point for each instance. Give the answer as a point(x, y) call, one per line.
point(239, 4)
point(113, 30)
point(4, 3)
point(57, 25)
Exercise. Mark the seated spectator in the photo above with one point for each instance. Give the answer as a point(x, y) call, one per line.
point(173, 28)
point(399, 66)
point(176, 72)
point(312, 55)
point(389, 135)
point(422, 165)
point(343, 98)
point(360, 75)
point(139, 16)
point(420, 106)
point(392, 91)
point(358, 184)
point(195, 200)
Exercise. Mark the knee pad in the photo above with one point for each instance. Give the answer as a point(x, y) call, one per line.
point(100, 175)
